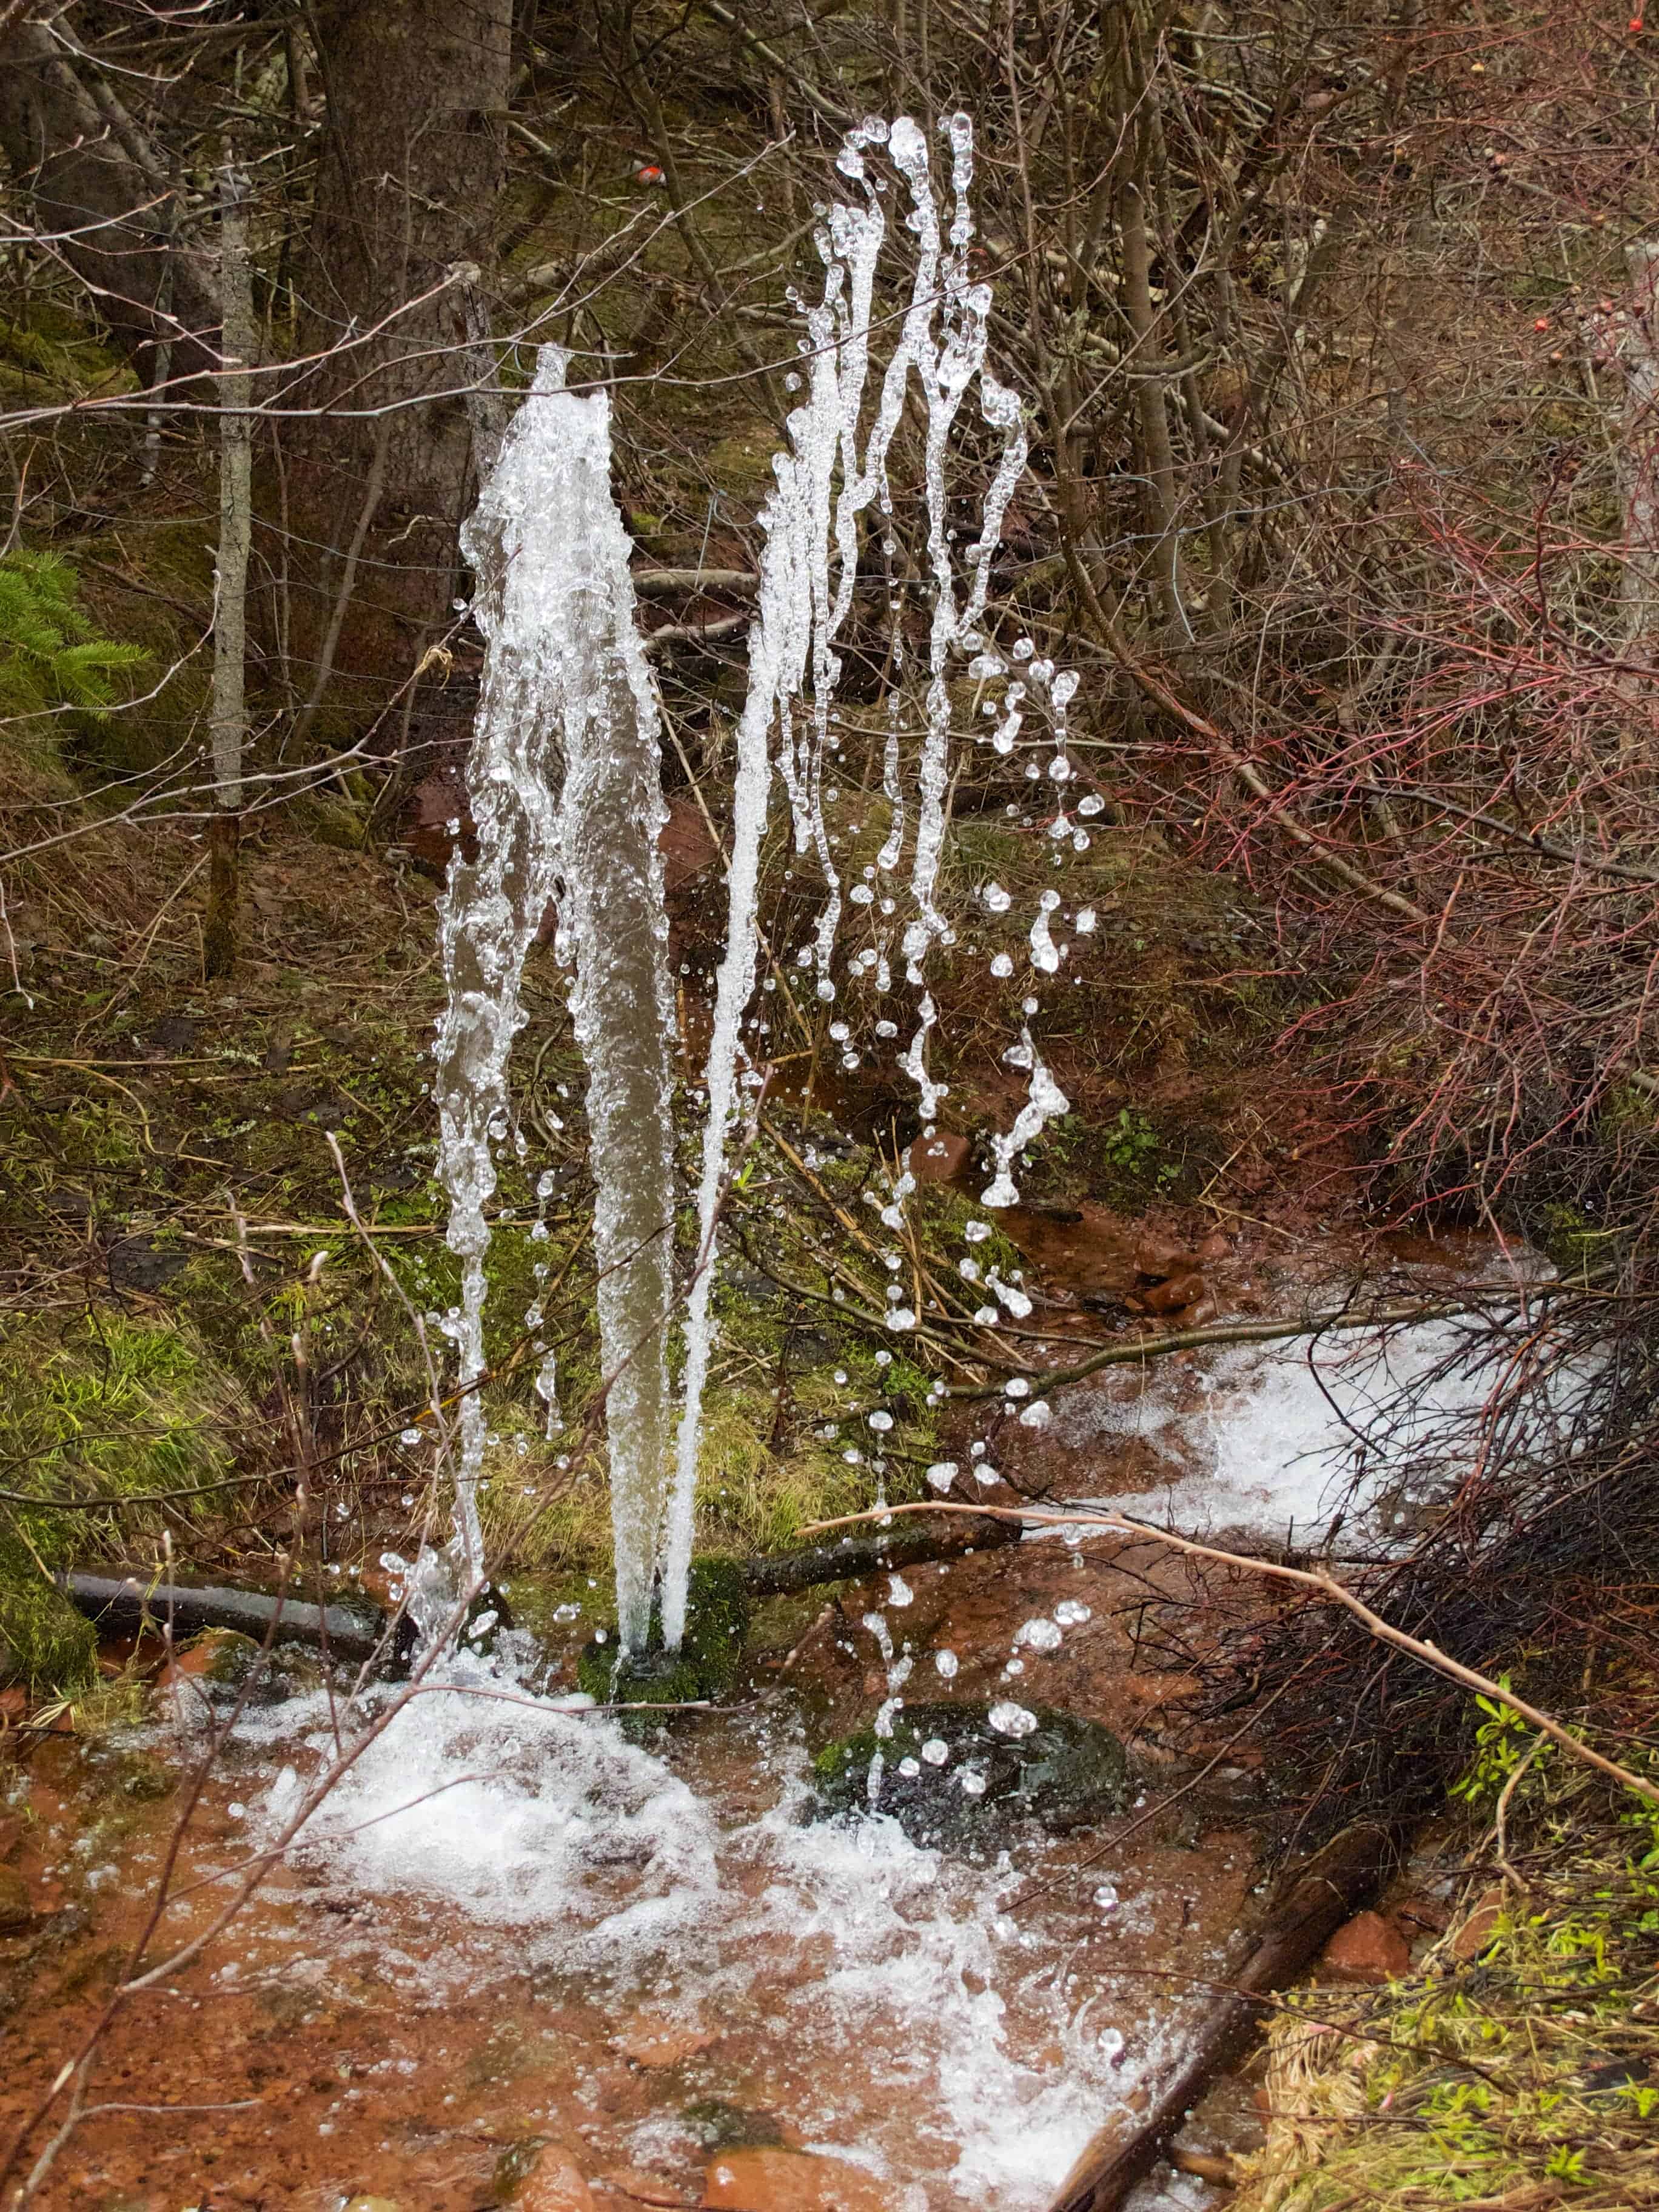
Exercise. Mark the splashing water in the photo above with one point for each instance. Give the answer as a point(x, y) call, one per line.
point(568, 800)
point(566, 792)
point(808, 574)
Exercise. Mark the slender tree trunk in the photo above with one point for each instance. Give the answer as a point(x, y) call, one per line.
point(229, 716)
point(378, 477)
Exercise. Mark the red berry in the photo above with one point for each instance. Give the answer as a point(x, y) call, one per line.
point(1542, 323)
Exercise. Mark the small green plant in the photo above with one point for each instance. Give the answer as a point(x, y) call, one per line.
point(1501, 1742)
point(52, 661)
point(1130, 1149)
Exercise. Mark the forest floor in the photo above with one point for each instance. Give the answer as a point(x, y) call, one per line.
point(169, 1183)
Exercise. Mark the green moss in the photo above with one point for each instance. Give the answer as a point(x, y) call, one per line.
point(44, 1644)
point(706, 1662)
point(105, 1405)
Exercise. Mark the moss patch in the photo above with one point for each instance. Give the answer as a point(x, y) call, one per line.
point(706, 1662)
point(1519, 2065)
point(44, 1644)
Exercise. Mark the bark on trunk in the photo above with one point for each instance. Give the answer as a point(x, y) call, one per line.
point(373, 485)
point(104, 205)
point(229, 720)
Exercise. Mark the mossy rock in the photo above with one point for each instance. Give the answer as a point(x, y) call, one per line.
point(226, 1658)
point(950, 1779)
point(720, 2125)
point(706, 1662)
point(44, 1644)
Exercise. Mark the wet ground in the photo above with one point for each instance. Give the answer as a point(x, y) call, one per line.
point(566, 1945)
point(509, 1933)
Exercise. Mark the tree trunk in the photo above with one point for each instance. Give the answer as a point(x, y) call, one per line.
point(1639, 480)
point(104, 205)
point(373, 483)
point(230, 718)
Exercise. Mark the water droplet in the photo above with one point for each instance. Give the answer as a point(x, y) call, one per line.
point(1010, 1719)
point(1039, 1635)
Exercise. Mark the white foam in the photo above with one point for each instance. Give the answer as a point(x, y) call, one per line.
point(565, 1849)
point(1268, 1439)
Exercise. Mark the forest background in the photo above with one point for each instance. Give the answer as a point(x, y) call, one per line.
point(1336, 330)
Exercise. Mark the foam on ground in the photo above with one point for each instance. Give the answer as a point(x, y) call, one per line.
point(1278, 1440)
point(887, 1969)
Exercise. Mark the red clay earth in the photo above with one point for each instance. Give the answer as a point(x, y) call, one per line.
point(330, 2070)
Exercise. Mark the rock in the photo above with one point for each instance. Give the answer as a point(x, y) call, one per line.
point(555, 2184)
point(1367, 1948)
point(706, 1662)
point(720, 2126)
point(1168, 1298)
point(1159, 1257)
point(16, 1905)
point(649, 2039)
point(938, 1158)
point(645, 2189)
point(1478, 1930)
point(141, 1775)
point(793, 2181)
point(220, 1660)
point(950, 1779)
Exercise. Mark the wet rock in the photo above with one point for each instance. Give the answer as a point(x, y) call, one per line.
point(1169, 1297)
point(1158, 1258)
point(1367, 1948)
point(139, 1775)
point(950, 1778)
point(706, 1662)
point(718, 2126)
point(16, 1905)
point(555, 2184)
point(220, 1661)
point(645, 2189)
point(939, 1158)
point(649, 2039)
point(793, 2181)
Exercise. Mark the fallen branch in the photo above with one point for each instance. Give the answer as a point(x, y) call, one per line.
point(1308, 1914)
point(1391, 1312)
point(848, 1561)
point(1305, 1578)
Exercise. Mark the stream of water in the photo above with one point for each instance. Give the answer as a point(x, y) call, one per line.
point(568, 802)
